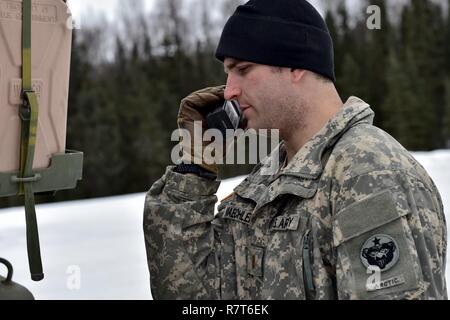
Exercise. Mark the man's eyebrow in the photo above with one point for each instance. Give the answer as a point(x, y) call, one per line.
point(231, 66)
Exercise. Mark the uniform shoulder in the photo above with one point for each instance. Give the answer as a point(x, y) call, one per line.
point(366, 148)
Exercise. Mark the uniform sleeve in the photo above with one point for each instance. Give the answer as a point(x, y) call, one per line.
point(182, 251)
point(389, 238)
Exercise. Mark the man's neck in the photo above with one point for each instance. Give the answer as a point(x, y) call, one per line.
point(321, 113)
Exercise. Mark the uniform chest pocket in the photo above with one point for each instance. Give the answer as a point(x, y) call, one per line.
point(283, 269)
point(375, 249)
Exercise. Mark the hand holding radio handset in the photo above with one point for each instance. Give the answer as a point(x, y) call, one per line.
point(209, 107)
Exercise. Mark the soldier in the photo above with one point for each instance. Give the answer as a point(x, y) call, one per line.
point(350, 214)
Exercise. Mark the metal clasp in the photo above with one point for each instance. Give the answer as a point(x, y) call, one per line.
point(34, 178)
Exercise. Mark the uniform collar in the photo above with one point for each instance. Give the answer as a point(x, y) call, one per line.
point(306, 166)
point(307, 162)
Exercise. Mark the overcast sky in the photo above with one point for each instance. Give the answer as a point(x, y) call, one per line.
point(109, 7)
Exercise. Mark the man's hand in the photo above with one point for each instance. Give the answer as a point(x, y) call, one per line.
point(194, 108)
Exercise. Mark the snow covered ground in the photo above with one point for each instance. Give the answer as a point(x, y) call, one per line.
point(94, 249)
point(91, 249)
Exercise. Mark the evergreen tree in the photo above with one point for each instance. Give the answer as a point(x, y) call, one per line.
point(408, 118)
point(446, 118)
point(376, 52)
point(422, 26)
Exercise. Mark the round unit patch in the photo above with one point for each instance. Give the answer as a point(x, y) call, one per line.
point(381, 251)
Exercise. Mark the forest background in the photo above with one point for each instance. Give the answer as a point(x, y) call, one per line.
point(128, 77)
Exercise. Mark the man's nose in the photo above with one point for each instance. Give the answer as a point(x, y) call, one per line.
point(232, 89)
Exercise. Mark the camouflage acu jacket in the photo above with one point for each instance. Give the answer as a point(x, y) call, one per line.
point(352, 216)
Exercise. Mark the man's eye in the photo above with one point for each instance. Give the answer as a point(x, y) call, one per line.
point(243, 69)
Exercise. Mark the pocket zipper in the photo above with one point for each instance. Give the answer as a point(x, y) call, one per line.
point(307, 267)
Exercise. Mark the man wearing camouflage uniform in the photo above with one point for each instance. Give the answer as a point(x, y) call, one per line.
point(350, 214)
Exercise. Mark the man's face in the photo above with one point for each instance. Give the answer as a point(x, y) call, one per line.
point(263, 92)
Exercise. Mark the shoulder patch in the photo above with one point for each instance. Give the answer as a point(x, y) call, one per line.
point(380, 250)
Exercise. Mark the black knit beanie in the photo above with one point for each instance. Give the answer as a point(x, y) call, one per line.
point(283, 33)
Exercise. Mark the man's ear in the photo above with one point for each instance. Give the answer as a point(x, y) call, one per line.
point(297, 75)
